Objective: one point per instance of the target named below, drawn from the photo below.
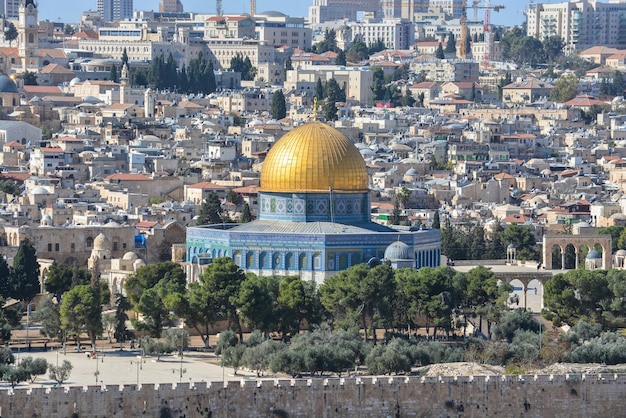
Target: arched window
(89, 242)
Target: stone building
(314, 215)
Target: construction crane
(487, 30)
(218, 8)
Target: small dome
(412, 172)
(138, 263)
(111, 224)
(46, 220)
(75, 81)
(621, 253)
(130, 256)
(101, 242)
(40, 190)
(7, 85)
(593, 255)
(398, 251)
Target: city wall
(480, 396)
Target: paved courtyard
(128, 367)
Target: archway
(580, 243)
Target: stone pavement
(124, 368)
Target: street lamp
(182, 345)
(28, 322)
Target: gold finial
(315, 108)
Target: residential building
(581, 24)
(111, 10)
(394, 33)
(170, 6)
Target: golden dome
(314, 157)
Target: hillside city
(445, 189)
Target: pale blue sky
(71, 10)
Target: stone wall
(528, 396)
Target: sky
(67, 10)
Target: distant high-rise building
(111, 10)
(170, 6)
(10, 8)
(327, 10)
(581, 24)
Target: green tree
(6, 281)
(10, 33)
(113, 74)
(256, 302)
(512, 321)
(147, 277)
(360, 294)
(279, 106)
(565, 88)
(298, 301)
(124, 57)
(157, 301)
(329, 43)
(436, 221)
(319, 90)
(553, 47)
(615, 232)
(81, 312)
(523, 238)
(246, 215)
(341, 57)
(407, 99)
(439, 54)
(33, 367)
(61, 373)
(357, 52)
(503, 82)
(288, 64)
(396, 213)
(378, 84)
(211, 211)
(395, 357)
(450, 44)
(25, 274)
(62, 277)
(69, 30)
(330, 110)
(224, 278)
(48, 315)
(122, 305)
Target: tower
(28, 38)
(124, 87)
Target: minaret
(148, 103)
(124, 90)
(28, 39)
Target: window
(72, 247)
(49, 247)
(56, 247)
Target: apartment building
(580, 24)
(111, 10)
(395, 33)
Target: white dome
(130, 256)
(40, 190)
(101, 242)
